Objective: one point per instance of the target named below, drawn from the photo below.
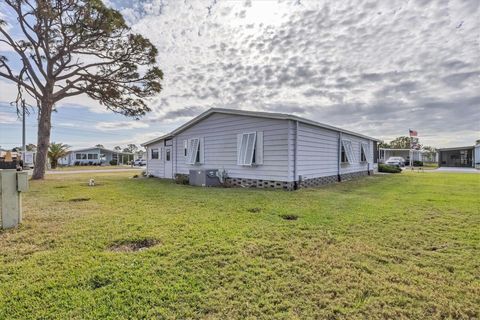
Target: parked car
(395, 161)
(140, 162)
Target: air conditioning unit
(204, 178)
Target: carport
(456, 157)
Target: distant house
(95, 156)
(417, 155)
(460, 156)
(262, 149)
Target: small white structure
(262, 149)
(95, 156)
(458, 157)
(417, 155)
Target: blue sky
(378, 68)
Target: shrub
(388, 169)
(417, 163)
(181, 178)
(113, 162)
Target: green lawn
(389, 246)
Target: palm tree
(57, 151)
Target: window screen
(348, 149)
(363, 152)
(78, 156)
(193, 150)
(246, 149)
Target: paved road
(94, 171)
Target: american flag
(413, 133)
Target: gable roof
(259, 114)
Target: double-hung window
(154, 154)
(250, 148)
(347, 156)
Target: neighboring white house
(262, 149)
(94, 156)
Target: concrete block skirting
(319, 181)
(256, 183)
(285, 185)
(354, 175)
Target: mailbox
(12, 184)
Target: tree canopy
(76, 47)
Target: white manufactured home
(260, 149)
(94, 156)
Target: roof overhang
(456, 148)
(258, 114)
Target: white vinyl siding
(318, 152)
(219, 132)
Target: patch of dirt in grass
(79, 199)
(437, 247)
(289, 216)
(254, 210)
(132, 245)
(97, 282)
(60, 187)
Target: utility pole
(24, 144)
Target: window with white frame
(154, 154)
(78, 156)
(348, 156)
(193, 151)
(250, 148)
(363, 152)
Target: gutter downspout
(295, 158)
(339, 155)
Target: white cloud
(7, 118)
(378, 68)
(373, 67)
(120, 125)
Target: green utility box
(12, 184)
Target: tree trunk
(43, 139)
